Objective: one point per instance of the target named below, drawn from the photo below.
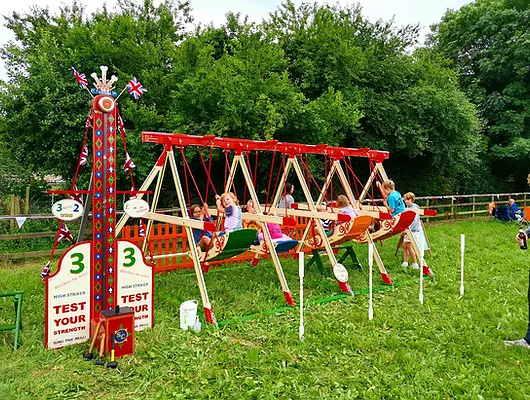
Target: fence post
(473, 213)
(427, 206)
(26, 204)
(12, 212)
(453, 207)
(524, 200)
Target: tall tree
(411, 104)
(43, 110)
(489, 42)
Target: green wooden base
(349, 253)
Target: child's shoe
(405, 264)
(415, 266)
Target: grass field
(449, 347)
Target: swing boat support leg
(208, 311)
(344, 286)
(266, 234)
(150, 178)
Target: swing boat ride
(103, 289)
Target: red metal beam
(239, 145)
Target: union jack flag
(64, 233)
(80, 78)
(141, 228)
(135, 88)
(129, 163)
(45, 271)
(83, 160)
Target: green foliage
(410, 105)
(44, 110)
(489, 42)
(449, 347)
(312, 74)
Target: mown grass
(449, 347)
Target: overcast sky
(424, 12)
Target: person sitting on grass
(514, 211)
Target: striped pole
(301, 275)
(462, 250)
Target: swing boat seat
(229, 245)
(281, 245)
(343, 232)
(391, 227)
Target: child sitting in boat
(201, 238)
(229, 204)
(274, 229)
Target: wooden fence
(170, 239)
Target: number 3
(129, 257)
(79, 263)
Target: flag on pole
(83, 160)
(45, 271)
(135, 88)
(129, 163)
(80, 78)
(64, 233)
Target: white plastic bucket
(188, 314)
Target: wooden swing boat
(390, 227)
(281, 245)
(342, 232)
(228, 245)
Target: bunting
(141, 228)
(64, 233)
(129, 163)
(45, 271)
(83, 160)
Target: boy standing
(392, 198)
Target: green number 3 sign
(129, 257)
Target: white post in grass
(421, 246)
(301, 275)
(370, 267)
(462, 249)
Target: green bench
(17, 326)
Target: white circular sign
(67, 209)
(136, 208)
(340, 272)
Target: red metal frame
(239, 145)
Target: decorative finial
(101, 85)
